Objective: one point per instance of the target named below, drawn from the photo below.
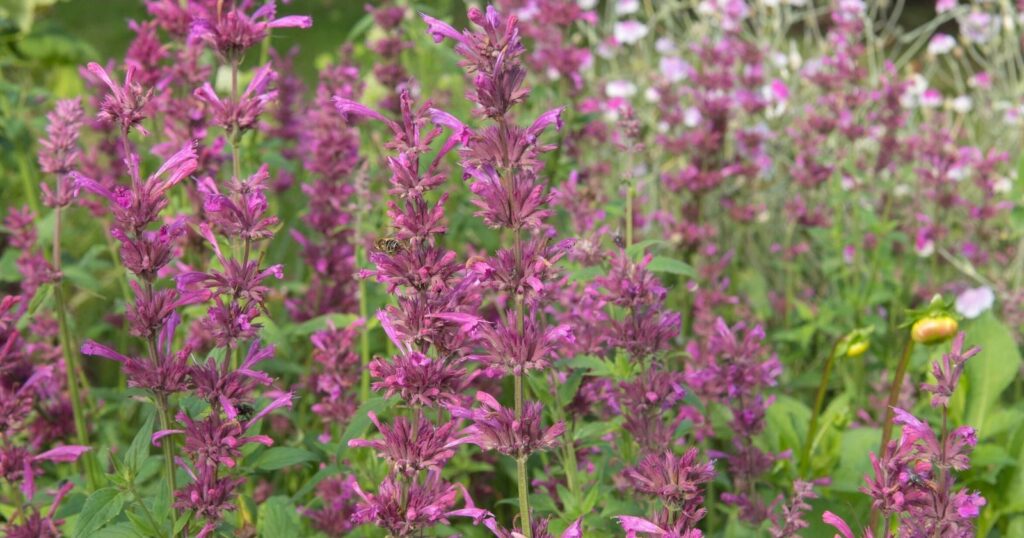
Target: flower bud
(857, 349)
(933, 330)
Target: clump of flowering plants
(535, 268)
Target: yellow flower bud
(933, 330)
(857, 349)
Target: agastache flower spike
(140, 204)
(243, 115)
(59, 151)
(413, 445)
(496, 427)
(124, 105)
(948, 371)
(232, 32)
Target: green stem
(819, 400)
(167, 444)
(524, 502)
(630, 192)
(894, 393)
(71, 365)
(364, 336)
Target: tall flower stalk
(58, 156)
(503, 160)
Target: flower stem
(167, 444)
(894, 392)
(364, 336)
(630, 192)
(524, 502)
(71, 366)
(819, 400)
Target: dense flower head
(496, 427)
(169, 374)
(675, 480)
(241, 212)
(492, 54)
(947, 371)
(406, 512)
(420, 380)
(136, 206)
(339, 367)
(231, 387)
(59, 150)
(413, 445)
(230, 31)
(124, 105)
(243, 114)
(208, 495)
(517, 350)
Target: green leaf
(854, 464)
(278, 517)
(567, 390)
(139, 449)
(101, 507)
(637, 250)
(280, 457)
(120, 530)
(360, 421)
(662, 264)
(991, 370)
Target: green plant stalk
(364, 336)
(524, 501)
(630, 193)
(167, 444)
(894, 393)
(71, 365)
(819, 401)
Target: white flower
(1003, 186)
(665, 45)
(620, 88)
(691, 117)
(941, 44)
(651, 95)
(627, 7)
(586, 4)
(972, 302)
(629, 32)
(673, 69)
(979, 27)
(961, 104)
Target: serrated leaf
(279, 457)
(101, 507)
(567, 390)
(278, 517)
(662, 264)
(139, 449)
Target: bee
(389, 245)
(619, 241)
(245, 412)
